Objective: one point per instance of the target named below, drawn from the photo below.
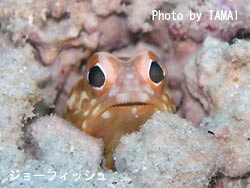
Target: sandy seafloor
(46, 43)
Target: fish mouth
(126, 100)
(130, 104)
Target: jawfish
(116, 95)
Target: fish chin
(118, 120)
(109, 118)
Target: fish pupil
(156, 73)
(96, 77)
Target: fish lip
(128, 104)
(131, 99)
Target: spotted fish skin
(115, 96)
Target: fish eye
(96, 76)
(156, 73)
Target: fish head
(116, 95)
